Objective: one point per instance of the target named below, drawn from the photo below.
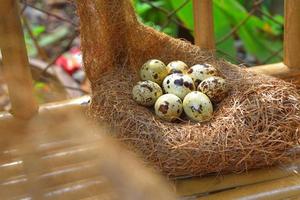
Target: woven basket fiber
(257, 125)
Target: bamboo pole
(204, 24)
(70, 105)
(279, 70)
(15, 62)
(200, 185)
(275, 69)
(275, 190)
(292, 33)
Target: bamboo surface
(69, 169)
(53, 167)
(68, 163)
(15, 62)
(279, 70)
(292, 33)
(60, 155)
(275, 190)
(203, 24)
(199, 185)
(76, 104)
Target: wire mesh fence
(246, 32)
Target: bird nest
(257, 125)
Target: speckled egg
(154, 70)
(214, 87)
(177, 67)
(178, 84)
(200, 72)
(197, 106)
(168, 107)
(146, 92)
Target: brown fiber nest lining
(256, 125)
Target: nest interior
(257, 125)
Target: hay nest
(256, 125)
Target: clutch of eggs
(176, 88)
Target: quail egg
(178, 84)
(168, 107)
(154, 70)
(214, 87)
(146, 92)
(197, 106)
(200, 72)
(177, 67)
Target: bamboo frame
(272, 183)
(204, 24)
(200, 185)
(279, 70)
(292, 33)
(76, 104)
(275, 190)
(290, 68)
(15, 62)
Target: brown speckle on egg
(146, 92)
(177, 67)
(200, 72)
(154, 70)
(197, 106)
(168, 107)
(164, 108)
(178, 84)
(215, 88)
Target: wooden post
(204, 24)
(292, 33)
(15, 61)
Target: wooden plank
(204, 24)
(292, 33)
(275, 190)
(199, 185)
(15, 62)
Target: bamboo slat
(15, 62)
(216, 183)
(203, 24)
(76, 104)
(279, 70)
(275, 190)
(292, 33)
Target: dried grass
(257, 125)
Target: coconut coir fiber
(257, 125)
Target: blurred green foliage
(261, 34)
(36, 31)
(149, 15)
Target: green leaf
(250, 33)
(37, 30)
(222, 28)
(185, 13)
(221, 25)
(54, 36)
